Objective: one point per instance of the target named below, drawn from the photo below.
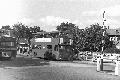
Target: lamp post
(100, 60)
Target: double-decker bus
(8, 47)
(50, 45)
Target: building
(114, 35)
(4, 32)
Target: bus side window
(49, 46)
(34, 46)
(56, 48)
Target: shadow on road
(5, 59)
(21, 62)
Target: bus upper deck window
(49, 46)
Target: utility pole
(100, 60)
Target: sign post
(99, 64)
(117, 68)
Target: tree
(23, 31)
(20, 30)
(35, 29)
(92, 39)
(69, 30)
(88, 39)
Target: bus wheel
(12, 58)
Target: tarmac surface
(26, 68)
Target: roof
(113, 32)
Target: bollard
(117, 68)
(99, 64)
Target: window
(36, 47)
(49, 46)
(110, 38)
(7, 44)
(56, 48)
(116, 39)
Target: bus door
(48, 52)
(36, 50)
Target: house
(114, 35)
(4, 32)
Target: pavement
(111, 72)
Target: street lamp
(100, 60)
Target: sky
(50, 13)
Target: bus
(8, 47)
(49, 45)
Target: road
(38, 69)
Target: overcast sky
(50, 13)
